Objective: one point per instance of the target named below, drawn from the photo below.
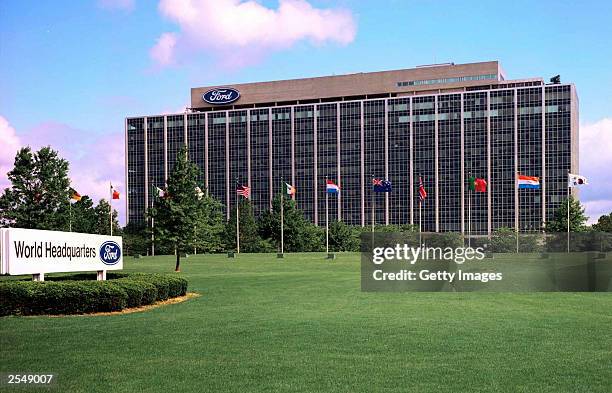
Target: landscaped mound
(78, 295)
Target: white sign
(33, 251)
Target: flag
(422, 192)
(160, 193)
(576, 180)
(114, 192)
(75, 195)
(381, 185)
(290, 190)
(477, 184)
(332, 188)
(199, 192)
(481, 185)
(528, 181)
(244, 191)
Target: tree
(343, 237)
(503, 240)
(604, 223)
(102, 214)
(39, 193)
(135, 239)
(83, 216)
(210, 225)
(577, 218)
(300, 234)
(177, 215)
(250, 241)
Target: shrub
(63, 295)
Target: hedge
(78, 295)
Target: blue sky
(85, 65)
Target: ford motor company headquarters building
(438, 122)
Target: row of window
(447, 80)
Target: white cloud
(124, 5)
(596, 165)
(163, 51)
(245, 31)
(94, 160)
(8, 148)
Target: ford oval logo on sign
(110, 253)
(221, 96)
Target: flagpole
(568, 213)
(326, 218)
(70, 215)
(281, 217)
(373, 201)
(470, 210)
(420, 222)
(518, 215)
(153, 227)
(237, 222)
(110, 213)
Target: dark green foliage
(299, 233)
(503, 240)
(177, 216)
(444, 239)
(102, 219)
(604, 223)
(343, 237)
(136, 239)
(82, 214)
(577, 218)
(39, 193)
(250, 241)
(65, 296)
(210, 225)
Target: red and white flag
(244, 191)
(422, 192)
(114, 192)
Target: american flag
(245, 191)
(422, 192)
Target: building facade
(439, 123)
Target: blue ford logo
(110, 252)
(221, 96)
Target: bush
(63, 295)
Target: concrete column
(270, 147)
(489, 209)
(165, 149)
(543, 180)
(315, 187)
(146, 164)
(362, 155)
(248, 119)
(227, 166)
(386, 159)
(338, 162)
(436, 165)
(412, 183)
(127, 194)
(516, 163)
(462, 165)
(206, 151)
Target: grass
(302, 325)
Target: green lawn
(302, 325)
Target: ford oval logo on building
(110, 253)
(221, 96)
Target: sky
(71, 71)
